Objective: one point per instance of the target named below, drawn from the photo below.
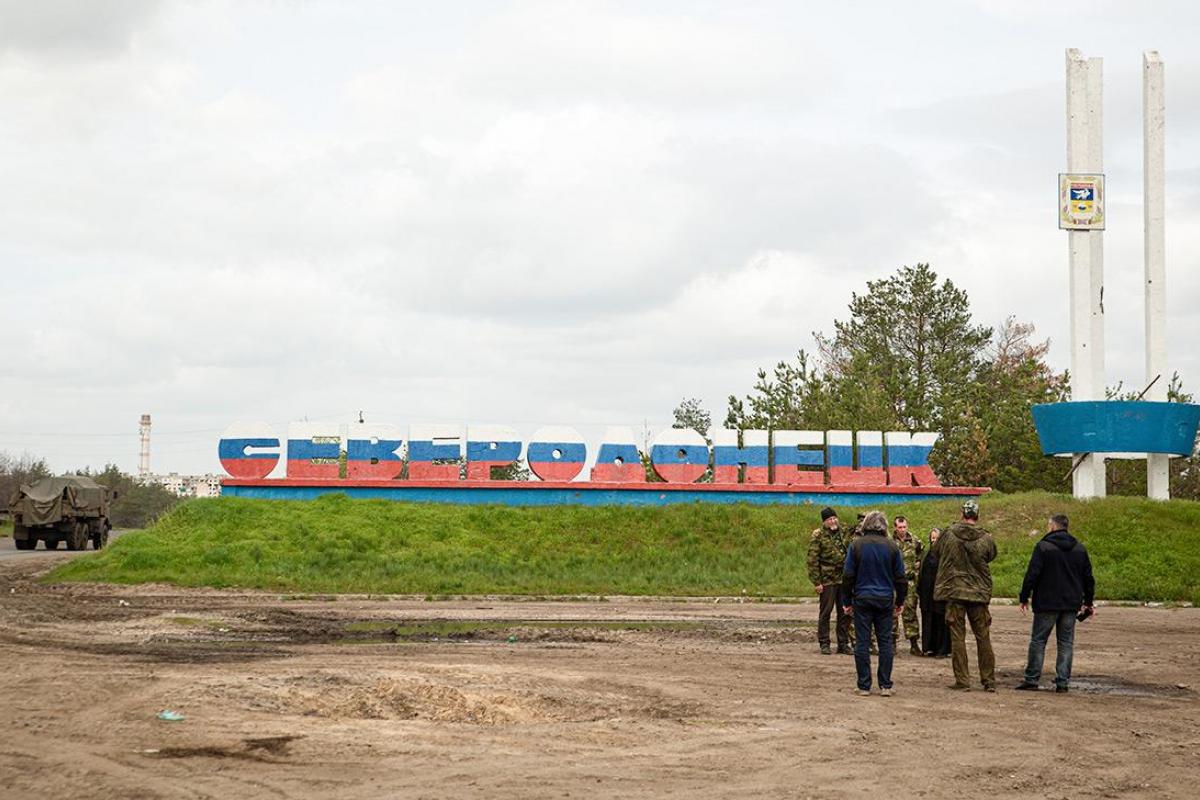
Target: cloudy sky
(542, 212)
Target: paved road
(8, 550)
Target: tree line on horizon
(137, 504)
(910, 356)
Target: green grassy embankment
(1141, 550)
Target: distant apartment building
(188, 485)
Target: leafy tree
(15, 471)
(1012, 377)
(137, 504)
(910, 357)
(690, 413)
(906, 350)
(792, 397)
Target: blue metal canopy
(1111, 426)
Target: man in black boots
(826, 555)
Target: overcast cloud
(525, 213)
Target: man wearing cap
(826, 555)
(873, 584)
(964, 584)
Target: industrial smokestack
(144, 453)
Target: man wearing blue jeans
(1060, 579)
(873, 588)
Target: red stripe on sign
(793, 475)
(309, 470)
(948, 491)
(428, 471)
(617, 473)
(482, 470)
(846, 476)
(365, 470)
(899, 477)
(681, 473)
(249, 467)
(556, 470)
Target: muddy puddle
(1112, 685)
(1109, 685)
(266, 749)
(365, 631)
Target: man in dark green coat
(826, 557)
(964, 584)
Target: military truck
(69, 508)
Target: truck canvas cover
(42, 502)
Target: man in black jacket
(873, 589)
(1060, 579)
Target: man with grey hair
(873, 587)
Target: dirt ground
(354, 697)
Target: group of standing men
(863, 579)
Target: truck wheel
(78, 538)
(99, 540)
(25, 544)
(51, 544)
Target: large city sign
(470, 454)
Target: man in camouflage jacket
(912, 549)
(826, 557)
(964, 583)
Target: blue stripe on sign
(870, 456)
(543, 452)
(365, 450)
(793, 456)
(483, 451)
(236, 448)
(305, 449)
(908, 455)
(729, 456)
(591, 497)
(426, 450)
(670, 454)
(841, 455)
(609, 453)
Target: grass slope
(1140, 549)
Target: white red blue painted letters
(313, 450)
(618, 459)
(842, 471)
(490, 447)
(371, 451)
(679, 455)
(806, 460)
(908, 458)
(729, 456)
(799, 458)
(556, 453)
(434, 452)
(249, 450)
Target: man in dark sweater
(873, 589)
(1060, 579)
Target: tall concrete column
(144, 447)
(1158, 476)
(1085, 143)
